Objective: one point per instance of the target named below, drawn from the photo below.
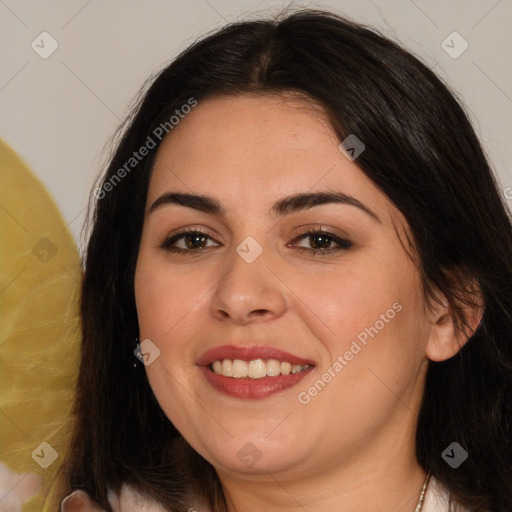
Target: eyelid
(188, 229)
(320, 228)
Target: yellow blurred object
(40, 274)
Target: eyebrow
(285, 206)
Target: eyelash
(343, 244)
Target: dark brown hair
(421, 151)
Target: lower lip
(253, 388)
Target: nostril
(260, 311)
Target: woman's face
(331, 328)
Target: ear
(445, 338)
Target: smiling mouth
(252, 372)
(256, 368)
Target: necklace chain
(419, 505)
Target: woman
(300, 238)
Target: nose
(248, 292)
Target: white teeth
(273, 367)
(255, 369)
(239, 369)
(227, 368)
(286, 368)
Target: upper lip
(248, 353)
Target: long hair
(421, 152)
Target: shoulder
(128, 500)
(79, 501)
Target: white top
(436, 497)
(129, 500)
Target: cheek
(373, 365)
(164, 297)
(170, 305)
(366, 299)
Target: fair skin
(351, 446)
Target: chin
(254, 455)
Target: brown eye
(196, 241)
(322, 242)
(188, 241)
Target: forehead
(254, 149)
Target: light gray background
(59, 113)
